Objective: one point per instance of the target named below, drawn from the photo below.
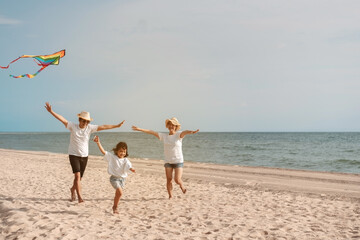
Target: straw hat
(85, 115)
(173, 121)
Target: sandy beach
(222, 202)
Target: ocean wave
(247, 147)
(348, 161)
(291, 150)
(293, 153)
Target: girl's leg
(76, 187)
(178, 175)
(168, 172)
(118, 194)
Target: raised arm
(106, 127)
(97, 140)
(186, 132)
(57, 116)
(156, 134)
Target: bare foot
(115, 210)
(73, 196)
(81, 200)
(184, 190)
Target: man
(79, 145)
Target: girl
(118, 166)
(79, 145)
(174, 160)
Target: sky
(218, 66)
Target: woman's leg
(168, 172)
(118, 194)
(178, 180)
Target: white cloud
(8, 21)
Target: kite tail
(10, 63)
(29, 75)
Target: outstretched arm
(106, 127)
(186, 132)
(156, 134)
(57, 116)
(97, 140)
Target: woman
(79, 145)
(174, 160)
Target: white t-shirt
(118, 167)
(79, 139)
(172, 147)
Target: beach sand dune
(222, 202)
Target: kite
(42, 60)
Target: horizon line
(352, 131)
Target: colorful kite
(43, 60)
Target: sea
(330, 152)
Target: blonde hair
(174, 122)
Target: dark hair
(121, 145)
(81, 119)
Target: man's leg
(77, 186)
